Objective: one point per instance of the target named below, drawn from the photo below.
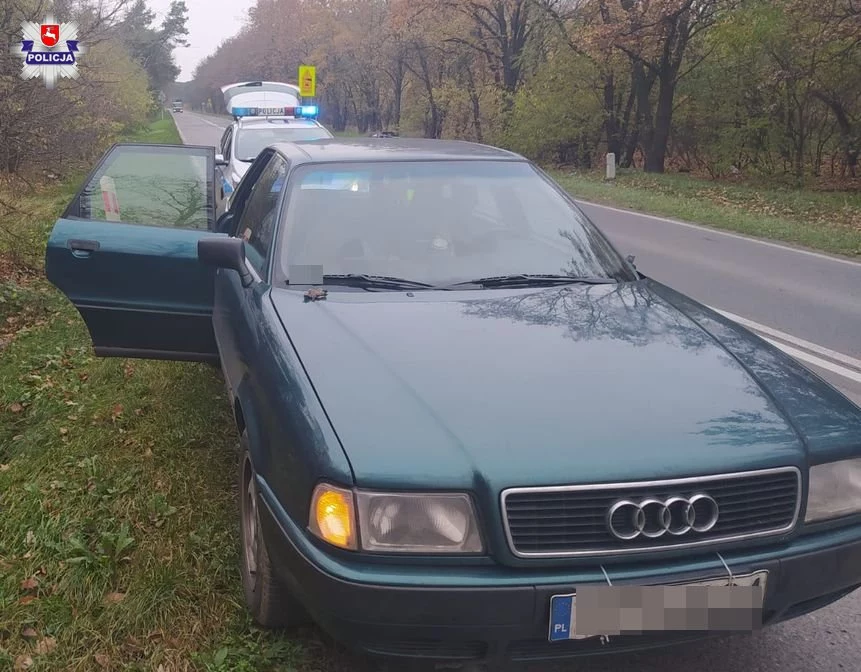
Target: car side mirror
(227, 253)
(220, 160)
(224, 223)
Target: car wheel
(267, 598)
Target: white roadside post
(611, 167)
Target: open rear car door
(125, 252)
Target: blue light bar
(300, 111)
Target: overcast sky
(210, 22)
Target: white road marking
(181, 134)
(807, 345)
(706, 229)
(781, 341)
(207, 121)
(816, 361)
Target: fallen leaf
(114, 598)
(5, 467)
(27, 599)
(117, 411)
(29, 584)
(23, 663)
(29, 633)
(147, 453)
(64, 431)
(315, 294)
(46, 646)
(16, 407)
(30, 539)
(102, 660)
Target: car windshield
(438, 222)
(250, 142)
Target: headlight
(835, 490)
(418, 523)
(395, 522)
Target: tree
(75, 121)
(153, 47)
(656, 36)
(714, 85)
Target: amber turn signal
(333, 517)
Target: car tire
(267, 598)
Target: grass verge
(161, 131)
(826, 221)
(118, 520)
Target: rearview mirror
(225, 253)
(220, 160)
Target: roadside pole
(611, 167)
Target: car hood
(240, 168)
(497, 388)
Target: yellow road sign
(307, 81)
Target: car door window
(258, 218)
(151, 185)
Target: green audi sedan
(471, 431)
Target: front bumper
(508, 622)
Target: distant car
(384, 134)
(250, 133)
(176, 106)
(467, 422)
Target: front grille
(571, 521)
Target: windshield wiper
(375, 282)
(533, 280)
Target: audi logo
(653, 518)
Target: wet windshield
(438, 222)
(250, 142)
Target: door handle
(83, 248)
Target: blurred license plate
(712, 605)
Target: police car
(252, 130)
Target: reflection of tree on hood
(645, 313)
(624, 311)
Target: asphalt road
(808, 304)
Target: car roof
(391, 149)
(277, 122)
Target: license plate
(708, 605)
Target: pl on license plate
(710, 605)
